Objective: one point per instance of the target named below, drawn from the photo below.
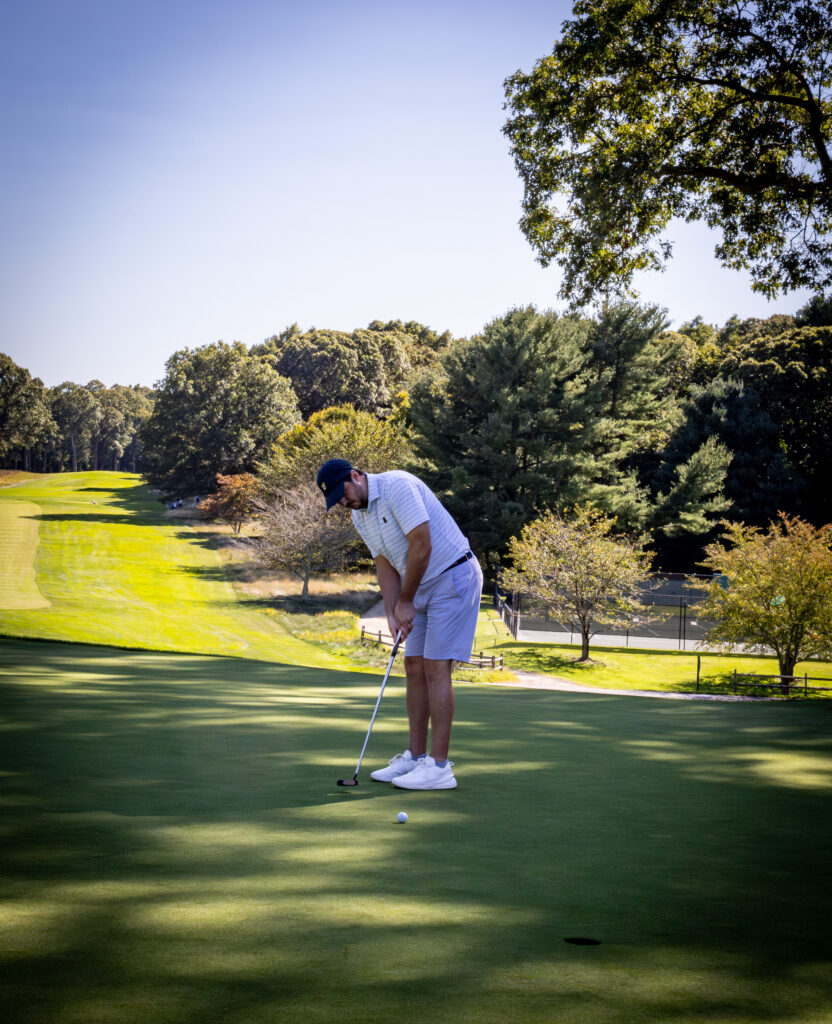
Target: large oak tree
(713, 110)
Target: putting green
(175, 850)
(112, 568)
(19, 544)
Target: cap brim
(335, 495)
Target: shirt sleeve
(406, 505)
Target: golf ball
(402, 817)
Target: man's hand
(404, 613)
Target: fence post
(362, 634)
(805, 684)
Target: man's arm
(418, 556)
(391, 585)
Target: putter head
(348, 782)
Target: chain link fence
(669, 618)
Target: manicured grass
(115, 570)
(175, 851)
(19, 544)
(620, 668)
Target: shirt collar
(373, 490)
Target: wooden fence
(376, 636)
(787, 685)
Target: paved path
(374, 620)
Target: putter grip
(396, 644)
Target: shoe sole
(450, 784)
(372, 776)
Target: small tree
(301, 537)
(772, 590)
(233, 501)
(580, 570)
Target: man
(431, 584)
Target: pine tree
(500, 427)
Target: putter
(354, 780)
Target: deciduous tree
(76, 412)
(300, 537)
(25, 419)
(713, 110)
(234, 500)
(772, 590)
(219, 410)
(580, 569)
(341, 432)
(364, 368)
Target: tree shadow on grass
(213, 540)
(139, 518)
(176, 850)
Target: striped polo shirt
(397, 502)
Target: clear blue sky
(184, 171)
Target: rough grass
(176, 851)
(19, 544)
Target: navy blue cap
(331, 477)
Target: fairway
(176, 850)
(109, 567)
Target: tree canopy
(499, 426)
(219, 410)
(341, 432)
(580, 568)
(772, 589)
(713, 110)
(25, 418)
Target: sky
(181, 172)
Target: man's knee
(414, 666)
(438, 671)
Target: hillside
(92, 557)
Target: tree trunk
(584, 645)
(74, 453)
(787, 664)
(304, 594)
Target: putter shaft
(354, 780)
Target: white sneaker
(398, 765)
(426, 775)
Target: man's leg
(441, 703)
(418, 704)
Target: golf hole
(578, 940)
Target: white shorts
(447, 609)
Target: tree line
(70, 426)
(667, 431)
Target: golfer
(431, 584)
